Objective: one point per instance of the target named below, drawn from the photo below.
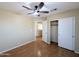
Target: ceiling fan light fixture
(36, 9)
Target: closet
(54, 31)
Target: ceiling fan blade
(41, 5)
(27, 7)
(43, 11)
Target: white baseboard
(77, 52)
(2, 52)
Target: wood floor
(40, 49)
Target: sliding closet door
(66, 33)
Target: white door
(45, 32)
(66, 33)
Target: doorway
(54, 31)
(41, 31)
(38, 30)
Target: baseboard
(2, 52)
(77, 52)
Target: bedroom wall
(15, 30)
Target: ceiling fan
(37, 8)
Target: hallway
(40, 49)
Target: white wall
(15, 30)
(65, 14)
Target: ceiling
(17, 7)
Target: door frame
(35, 28)
(50, 27)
